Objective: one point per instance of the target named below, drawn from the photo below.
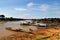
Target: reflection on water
(13, 24)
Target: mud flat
(39, 34)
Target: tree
(2, 16)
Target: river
(12, 24)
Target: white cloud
(44, 7)
(20, 9)
(30, 4)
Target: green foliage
(40, 39)
(52, 25)
(44, 38)
(2, 16)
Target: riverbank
(39, 34)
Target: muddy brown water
(12, 24)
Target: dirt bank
(39, 34)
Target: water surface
(12, 24)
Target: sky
(30, 8)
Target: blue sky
(30, 8)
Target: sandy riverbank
(39, 34)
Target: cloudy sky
(30, 8)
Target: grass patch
(44, 38)
(39, 39)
